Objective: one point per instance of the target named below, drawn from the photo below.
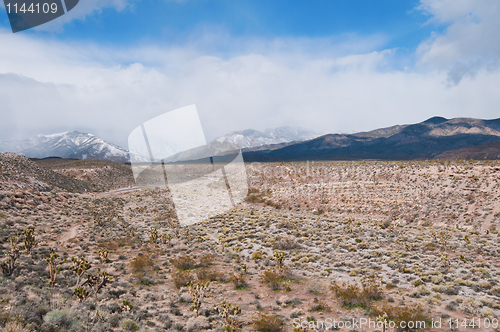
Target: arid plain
(401, 242)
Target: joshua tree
(383, 318)
(81, 293)
(198, 294)
(169, 239)
(53, 268)
(153, 235)
(126, 305)
(279, 257)
(12, 254)
(444, 238)
(103, 255)
(228, 312)
(29, 239)
(97, 281)
(445, 260)
(80, 266)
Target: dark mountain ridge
(424, 140)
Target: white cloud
(334, 84)
(470, 40)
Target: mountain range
(72, 144)
(251, 138)
(80, 145)
(425, 140)
(436, 137)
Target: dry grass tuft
(268, 323)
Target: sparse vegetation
(228, 313)
(104, 275)
(268, 323)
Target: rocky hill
(490, 151)
(19, 173)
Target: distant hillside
(18, 172)
(103, 174)
(423, 140)
(490, 151)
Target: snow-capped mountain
(66, 145)
(80, 145)
(253, 138)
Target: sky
(328, 65)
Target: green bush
(61, 318)
(129, 325)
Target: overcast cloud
(338, 84)
(469, 43)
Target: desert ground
(400, 243)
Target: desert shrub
(316, 288)
(239, 280)
(495, 290)
(178, 326)
(4, 317)
(419, 291)
(209, 274)
(61, 318)
(451, 306)
(255, 196)
(142, 266)
(386, 224)
(273, 277)
(147, 281)
(129, 325)
(116, 293)
(197, 324)
(267, 323)
(183, 262)
(33, 313)
(206, 260)
(354, 295)
(398, 314)
(322, 306)
(165, 320)
(349, 295)
(114, 320)
(182, 278)
(286, 244)
(14, 327)
(372, 287)
(449, 290)
(257, 255)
